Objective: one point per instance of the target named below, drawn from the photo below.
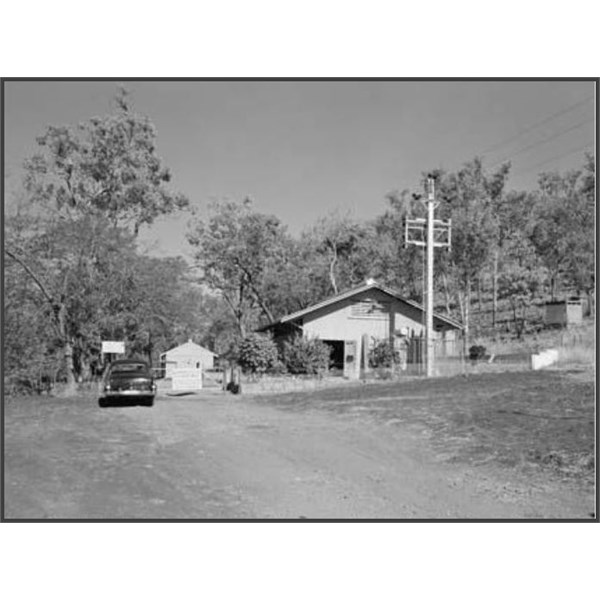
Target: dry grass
(576, 355)
(538, 422)
(576, 347)
(581, 335)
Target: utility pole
(421, 232)
(429, 305)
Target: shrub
(477, 352)
(306, 356)
(257, 354)
(383, 354)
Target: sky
(302, 149)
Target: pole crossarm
(415, 232)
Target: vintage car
(128, 380)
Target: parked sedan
(127, 380)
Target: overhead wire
(534, 126)
(542, 141)
(537, 124)
(557, 157)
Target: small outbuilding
(564, 312)
(186, 356)
(351, 322)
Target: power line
(568, 153)
(537, 124)
(542, 141)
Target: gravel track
(229, 457)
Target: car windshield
(129, 368)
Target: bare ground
(450, 449)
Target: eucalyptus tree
(107, 167)
(564, 231)
(468, 197)
(234, 248)
(89, 189)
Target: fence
(449, 360)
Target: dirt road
(228, 457)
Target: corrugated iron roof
(349, 294)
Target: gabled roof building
(189, 355)
(354, 320)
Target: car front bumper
(128, 393)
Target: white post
(429, 307)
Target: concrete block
(544, 359)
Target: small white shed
(189, 355)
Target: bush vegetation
(477, 352)
(257, 354)
(383, 354)
(304, 356)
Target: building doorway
(337, 354)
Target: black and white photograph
(299, 299)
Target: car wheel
(150, 401)
(102, 403)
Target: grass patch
(576, 355)
(582, 335)
(536, 422)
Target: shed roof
(189, 346)
(353, 292)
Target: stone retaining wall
(273, 385)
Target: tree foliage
(234, 248)
(521, 278)
(87, 193)
(106, 167)
(339, 244)
(563, 235)
(394, 263)
(469, 197)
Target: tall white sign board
(113, 347)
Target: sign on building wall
(113, 347)
(186, 379)
(370, 309)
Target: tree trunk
(150, 348)
(69, 364)
(237, 312)
(495, 290)
(590, 302)
(332, 271)
(466, 317)
(519, 319)
(68, 353)
(461, 305)
(263, 305)
(479, 302)
(258, 296)
(86, 369)
(446, 293)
